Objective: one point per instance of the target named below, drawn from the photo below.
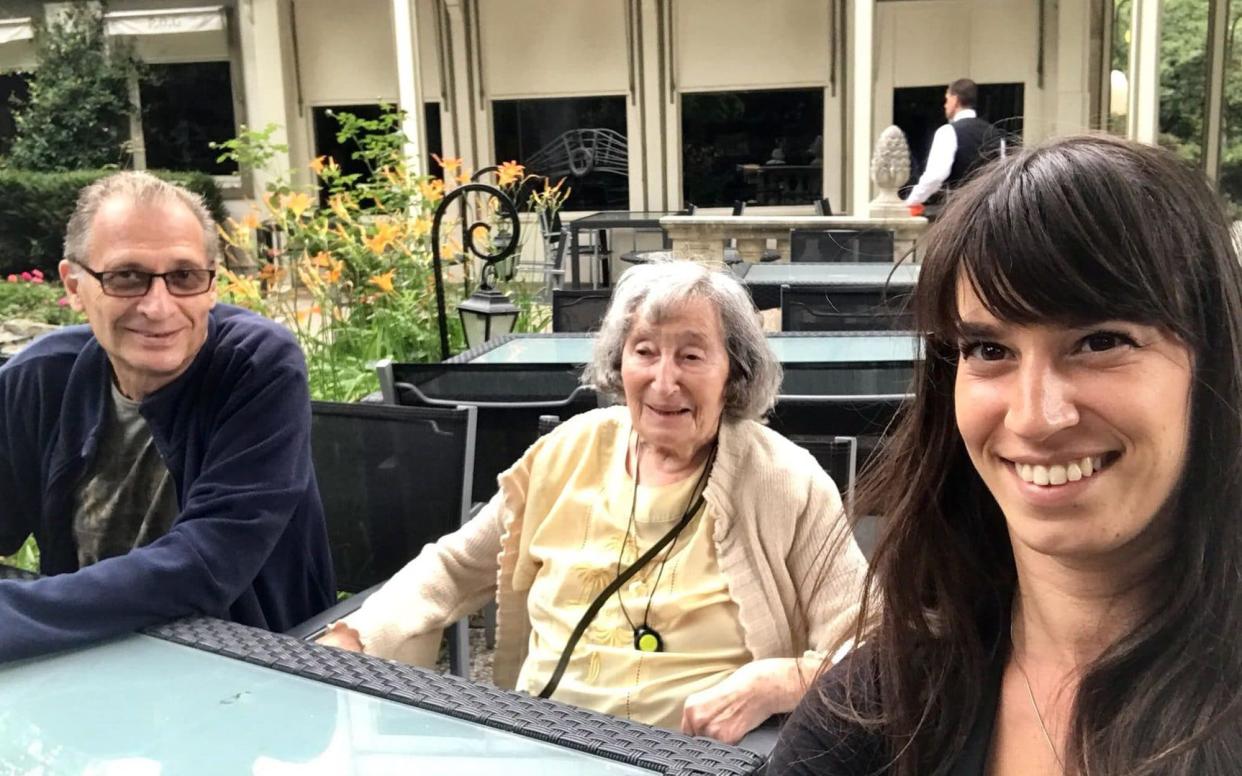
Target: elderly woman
(1058, 578)
(723, 520)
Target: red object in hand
(916, 210)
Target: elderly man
(161, 454)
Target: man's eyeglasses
(135, 282)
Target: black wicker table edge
(655, 749)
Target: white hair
(648, 292)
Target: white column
(862, 80)
(462, 125)
(1074, 77)
(263, 31)
(1215, 107)
(1144, 120)
(409, 87)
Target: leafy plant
(77, 113)
(25, 558)
(354, 280)
(29, 296)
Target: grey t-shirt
(126, 498)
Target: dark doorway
(185, 108)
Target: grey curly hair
(649, 291)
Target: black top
(815, 743)
(972, 134)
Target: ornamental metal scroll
(504, 222)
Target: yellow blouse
(577, 547)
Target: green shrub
(30, 296)
(78, 112)
(35, 207)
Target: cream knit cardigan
(782, 543)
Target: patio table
(765, 280)
(844, 383)
(203, 696)
(608, 220)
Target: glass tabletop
(825, 348)
(140, 705)
(609, 218)
(828, 273)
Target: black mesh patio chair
(392, 479)
(832, 245)
(509, 397)
(844, 308)
(838, 455)
(579, 309)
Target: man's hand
(737, 705)
(341, 636)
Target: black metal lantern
(488, 312)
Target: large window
(11, 85)
(581, 139)
(185, 107)
(919, 112)
(760, 147)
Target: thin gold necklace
(1030, 692)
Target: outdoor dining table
(606, 221)
(844, 383)
(765, 280)
(204, 696)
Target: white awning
(13, 30)
(165, 22)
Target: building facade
(653, 104)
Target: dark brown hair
(1080, 230)
(966, 92)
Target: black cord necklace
(647, 638)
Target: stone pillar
(862, 86)
(1144, 119)
(267, 76)
(409, 84)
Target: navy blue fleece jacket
(249, 543)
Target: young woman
(1057, 587)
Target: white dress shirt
(939, 160)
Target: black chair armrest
(315, 626)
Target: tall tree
(78, 110)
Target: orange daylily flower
(272, 273)
(385, 235)
(383, 281)
(432, 190)
(296, 203)
(250, 220)
(510, 173)
(449, 163)
(337, 203)
(317, 165)
(420, 227)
